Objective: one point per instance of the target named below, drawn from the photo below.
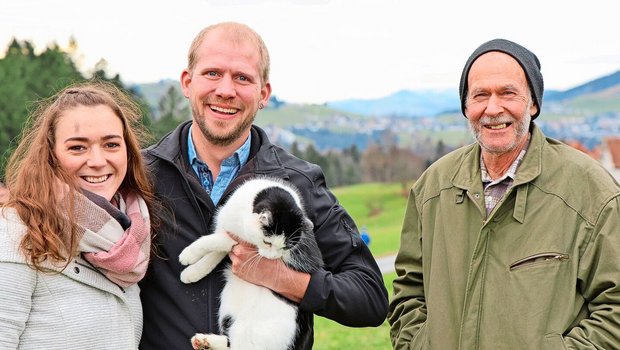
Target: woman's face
(89, 145)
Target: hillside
(404, 103)
(597, 86)
(421, 119)
(407, 103)
(381, 208)
(277, 113)
(599, 95)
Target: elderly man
(512, 242)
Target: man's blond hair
(238, 33)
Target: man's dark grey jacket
(349, 289)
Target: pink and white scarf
(116, 241)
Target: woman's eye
(112, 145)
(77, 148)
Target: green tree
(172, 110)
(295, 150)
(100, 72)
(27, 77)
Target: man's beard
(521, 128)
(226, 139)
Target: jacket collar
(467, 175)
(263, 156)
(172, 146)
(531, 167)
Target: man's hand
(248, 265)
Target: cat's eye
(267, 243)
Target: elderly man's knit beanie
(528, 61)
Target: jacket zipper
(349, 229)
(538, 258)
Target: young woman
(74, 228)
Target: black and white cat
(268, 213)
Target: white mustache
(487, 120)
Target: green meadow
(380, 207)
(329, 335)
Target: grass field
(386, 203)
(329, 335)
(380, 207)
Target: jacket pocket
(538, 259)
(554, 342)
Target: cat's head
(282, 221)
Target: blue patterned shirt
(228, 171)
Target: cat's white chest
(255, 310)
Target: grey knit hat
(528, 61)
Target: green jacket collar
(467, 175)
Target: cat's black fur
(290, 219)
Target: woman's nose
(96, 158)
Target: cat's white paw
(190, 275)
(209, 342)
(200, 342)
(188, 257)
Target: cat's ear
(265, 218)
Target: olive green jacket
(542, 271)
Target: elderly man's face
(499, 105)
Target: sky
(329, 50)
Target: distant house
(594, 153)
(610, 157)
(608, 154)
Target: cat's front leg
(209, 342)
(216, 242)
(202, 267)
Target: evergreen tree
(172, 110)
(28, 77)
(295, 150)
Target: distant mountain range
(404, 103)
(433, 102)
(418, 119)
(607, 82)
(415, 103)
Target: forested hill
(28, 75)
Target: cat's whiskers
(251, 263)
(296, 256)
